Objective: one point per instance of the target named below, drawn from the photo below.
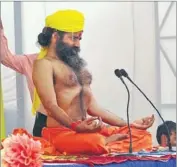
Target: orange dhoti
(71, 142)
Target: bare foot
(116, 137)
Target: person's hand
(144, 123)
(90, 125)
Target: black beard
(70, 56)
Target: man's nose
(77, 43)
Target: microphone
(125, 74)
(119, 75)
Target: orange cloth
(141, 139)
(70, 142)
(62, 140)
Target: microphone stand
(125, 74)
(118, 74)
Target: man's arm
(108, 117)
(15, 62)
(95, 110)
(43, 81)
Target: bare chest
(65, 76)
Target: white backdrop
(9, 76)
(116, 35)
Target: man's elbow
(50, 107)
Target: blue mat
(138, 163)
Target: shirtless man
(24, 64)
(63, 81)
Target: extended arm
(7, 58)
(108, 117)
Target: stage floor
(157, 159)
(139, 163)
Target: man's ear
(55, 37)
(163, 140)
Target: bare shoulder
(41, 68)
(42, 64)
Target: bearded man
(62, 84)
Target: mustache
(70, 55)
(66, 49)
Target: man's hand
(144, 123)
(90, 125)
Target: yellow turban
(62, 20)
(66, 20)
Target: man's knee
(93, 143)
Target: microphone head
(117, 73)
(123, 72)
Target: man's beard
(70, 56)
